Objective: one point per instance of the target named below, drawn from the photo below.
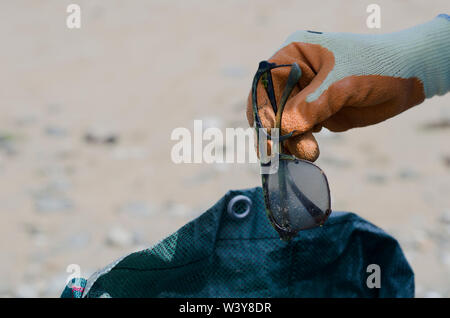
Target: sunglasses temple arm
(294, 76)
(265, 68)
(270, 91)
(283, 196)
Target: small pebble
(118, 237)
(446, 160)
(55, 131)
(101, 136)
(445, 217)
(408, 174)
(376, 178)
(50, 203)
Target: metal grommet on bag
(239, 207)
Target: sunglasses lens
(298, 195)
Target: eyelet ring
(239, 207)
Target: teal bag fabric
(74, 288)
(226, 254)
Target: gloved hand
(354, 80)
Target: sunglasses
(296, 194)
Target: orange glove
(350, 80)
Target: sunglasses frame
(264, 70)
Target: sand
(138, 69)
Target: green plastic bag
(232, 251)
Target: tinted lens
(297, 195)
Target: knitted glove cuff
(422, 51)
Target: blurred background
(86, 117)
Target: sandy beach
(87, 114)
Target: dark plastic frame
(264, 69)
